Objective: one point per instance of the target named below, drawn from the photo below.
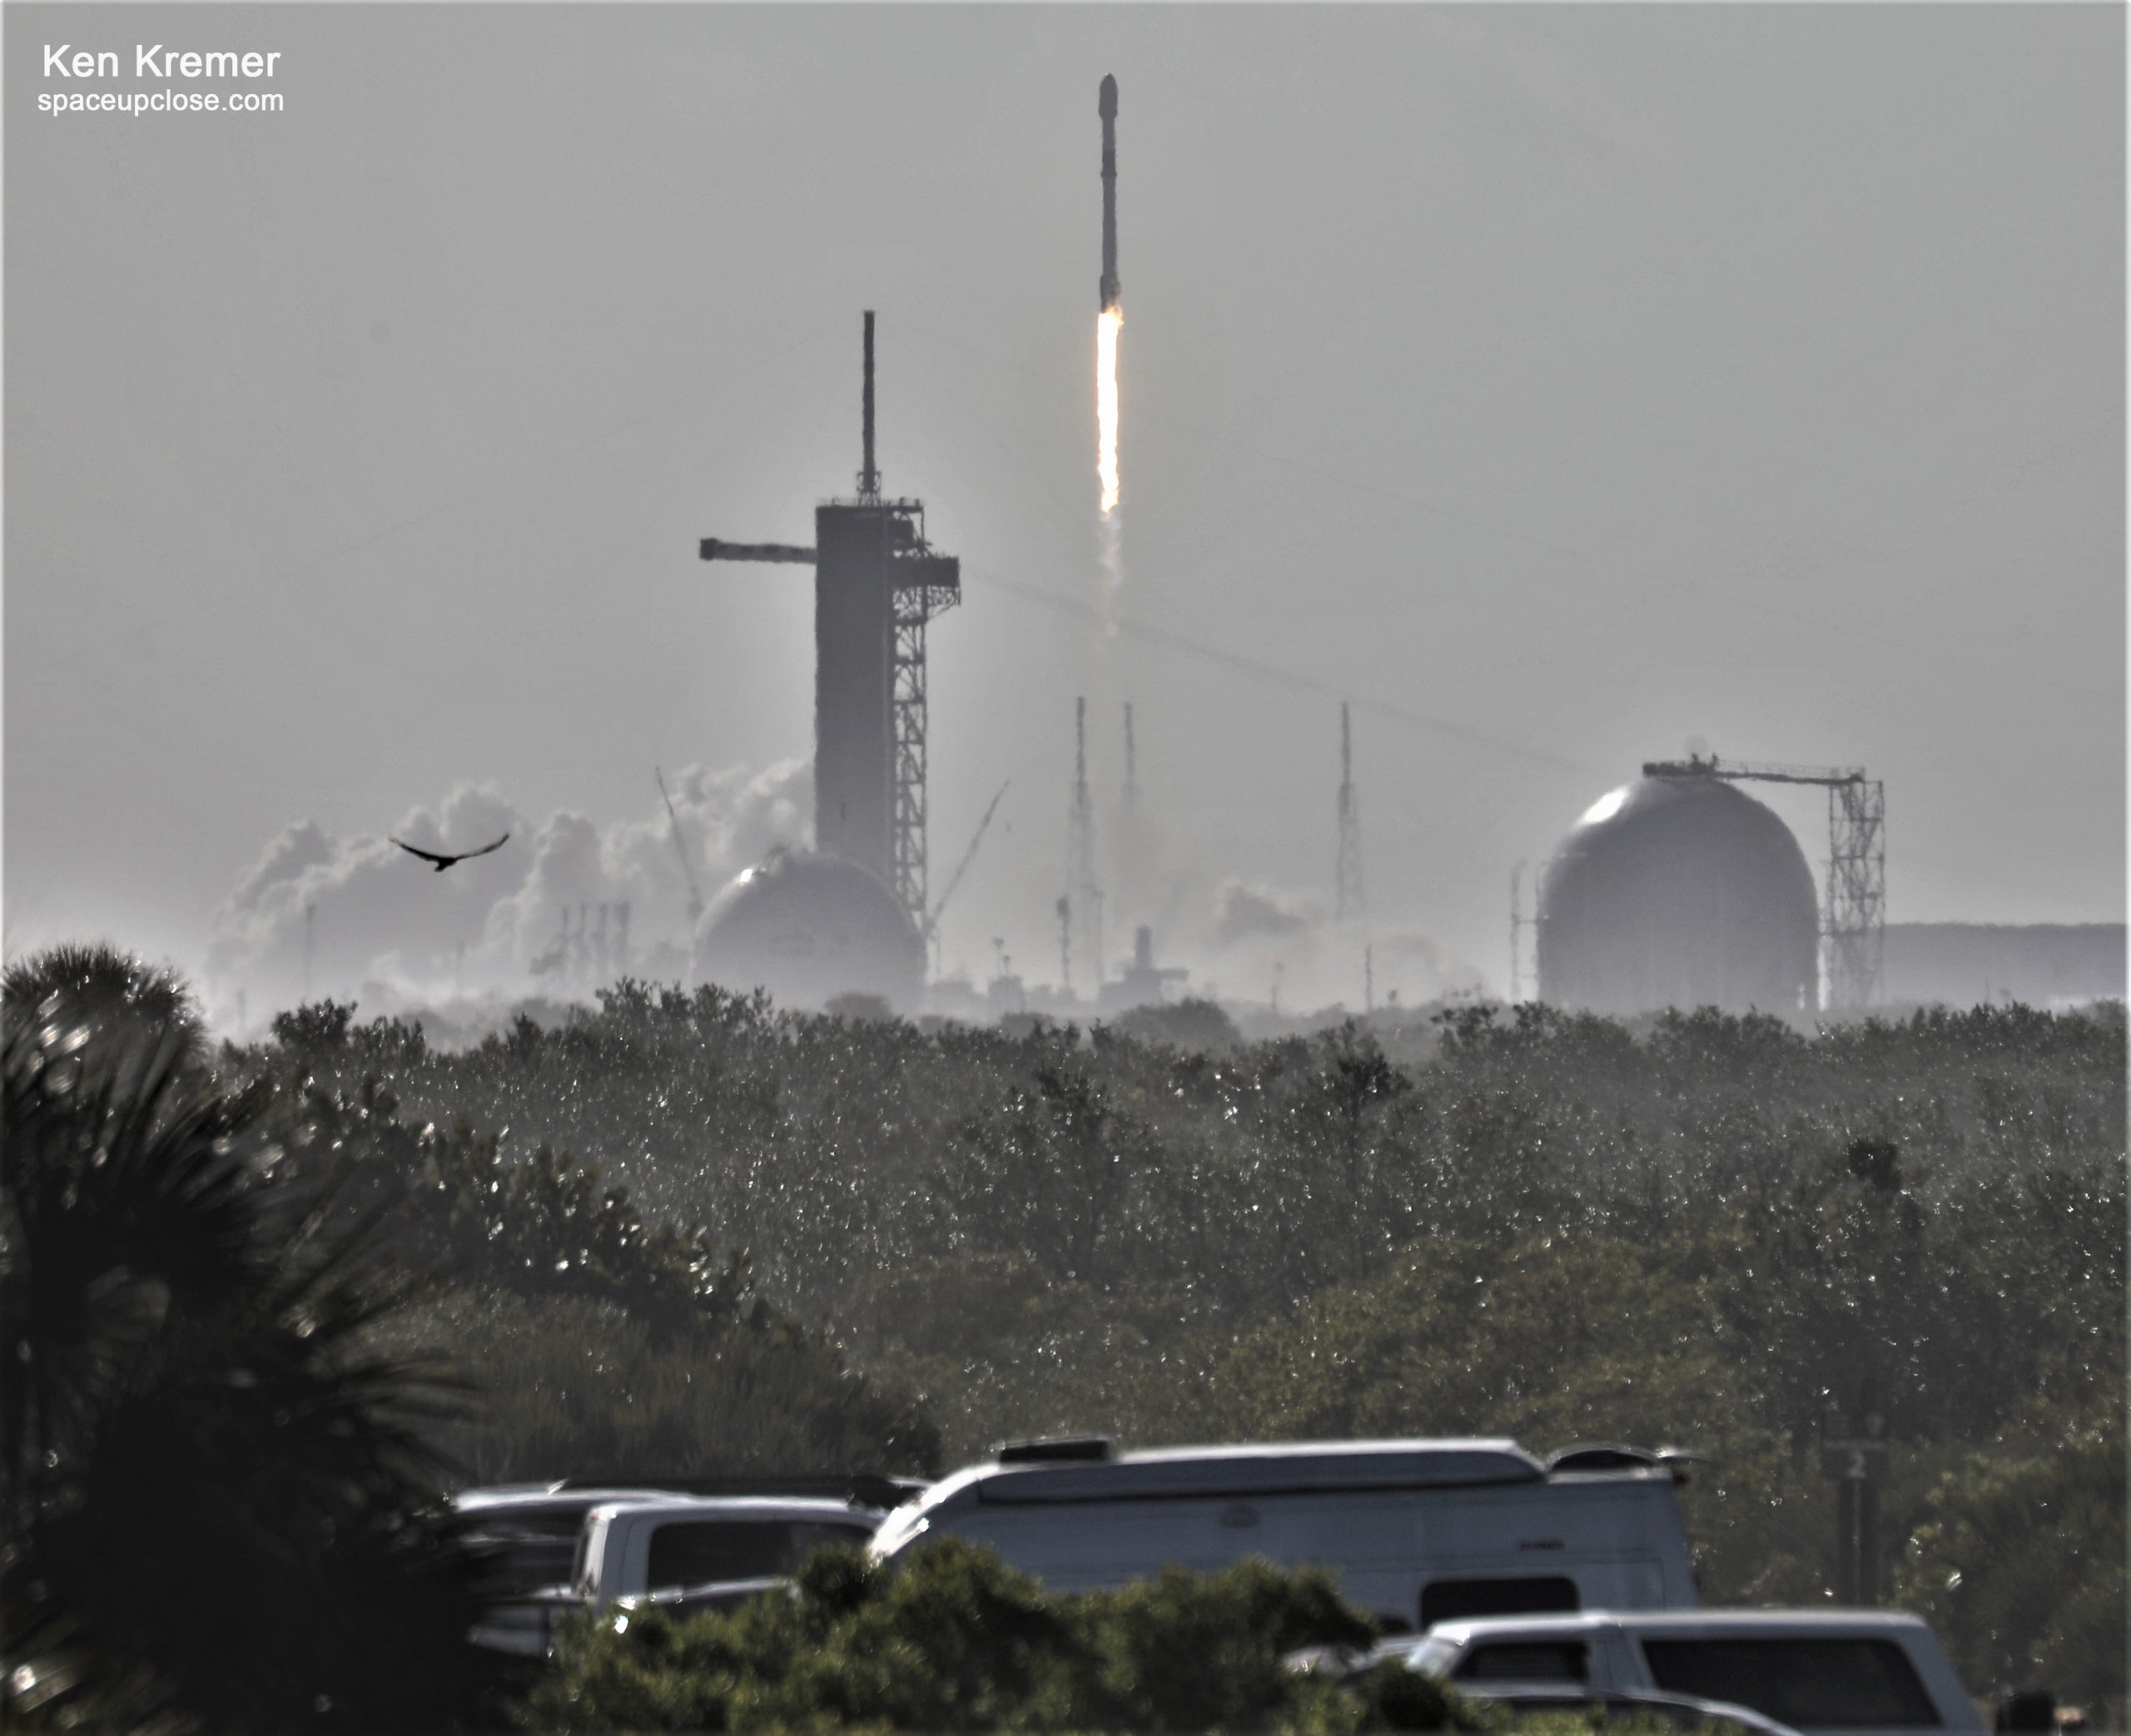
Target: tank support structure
(1854, 919)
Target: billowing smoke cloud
(1245, 913)
(1254, 938)
(316, 915)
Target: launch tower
(877, 581)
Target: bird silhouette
(443, 862)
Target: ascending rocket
(1107, 107)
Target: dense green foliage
(2020, 1561)
(1708, 1230)
(953, 1640)
(219, 1508)
(957, 1641)
(1712, 1232)
(608, 1344)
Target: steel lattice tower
(1856, 921)
(1347, 897)
(914, 605)
(1082, 903)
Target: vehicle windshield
(1853, 1683)
(697, 1552)
(538, 1549)
(1526, 1660)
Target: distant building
(1143, 983)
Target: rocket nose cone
(1106, 99)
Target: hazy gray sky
(1559, 384)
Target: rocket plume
(1106, 329)
(1108, 323)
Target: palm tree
(218, 1510)
(110, 991)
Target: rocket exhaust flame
(1107, 326)
(1106, 330)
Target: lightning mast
(1347, 897)
(1131, 765)
(1083, 900)
(1516, 934)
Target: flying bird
(443, 861)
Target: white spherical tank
(1679, 892)
(809, 928)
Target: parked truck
(1418, 1531)
(687, 1553)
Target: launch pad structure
(877, 582)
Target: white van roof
(1257, 1469)
(1745, 1623)
(787, 1507)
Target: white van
(1418, 1531)
(1825, 1672)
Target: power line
(1259, 670)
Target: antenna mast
(869, 479)
(1347, 897)
(1131, 765)
(1516, 934)
(1083, 896)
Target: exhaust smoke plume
(317, 915)
(1254, 935)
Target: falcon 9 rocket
(1107, 107)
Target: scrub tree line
(689, 1233)
(1705, 1231)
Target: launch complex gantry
(876, 583)
(1853, 927)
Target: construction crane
(681, 850)
(1853, 929)
(954, 880)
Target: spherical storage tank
(1679, 892)
(808, 928)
